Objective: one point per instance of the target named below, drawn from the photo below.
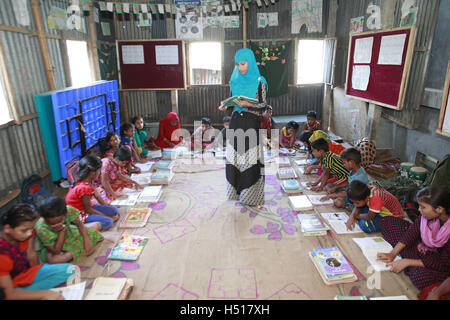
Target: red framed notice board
(378, 66)
(151, 64)
(444, 118)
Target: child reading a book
(113, 177)
(21, 274)
(311, 124)
(82, 193)
(111, 145)
(352, 161)
(62, 236)
(372, 205)
(169, 134)
(287, 135)
(203, 136)
(334, 170)
(423, 245)
(140, 135)
(126, 139)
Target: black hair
(304, 137)
(86, 165)
(311, 114)
(292, 124)
(358, 190)
(124, 127)
(351, 154)
(206, 120)
(226, 119)
(268, 107)
(123, 154)
(435, 196)
(133, 121)
(94, 151)
(53, 207)
(2, 294)
(22, 212)
(320, 144)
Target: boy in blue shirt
(352, 161)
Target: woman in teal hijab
(245, 169)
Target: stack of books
(164, 164)
(169, 154)
(150, 194)
(162, 176)
(110, 289)
(284, 162)
(135, 218)
(300, 203)
(286, 173)
(338, 220)
(312, 225)
(332, 266)
(291, 186)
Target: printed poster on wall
(363, 50)
(133, 54)
(166, 54)
(360, 77)
(267, 19)
(189, 26)
(357, 24)
(306, 12)
(231, 22)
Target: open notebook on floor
(300, 203)
(303, 162)
(302, 170)
(306, 187)
(337, 221)
(130, 200)
(142, 178)
(370, 246)
(72, 292)
(315, 200)
(105, 288)
(150, 194)
(145, 167)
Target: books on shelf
(332, 266)
(150, 194)
(130, 200)
(300, 203)
(370, 247)
(312, 225)
(135, 218)
(128, 248)
(286, 173)
(145, 167)
(337, 221)
(72, 292)
(229, 101)
(291, 186)
(162, 176)
(284, 162)
(315, 200)
(105, 288)
(164, 164)
(142, 178)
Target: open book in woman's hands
(230, 101)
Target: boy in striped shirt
(333, 168)
(372, 203)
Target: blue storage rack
(82, 116)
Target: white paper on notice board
(360, 77)
(446, 125)
(133, 54)
(363, 50)
(391, 49)
(166, 54)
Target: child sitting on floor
(423, 245)
(126, 139)
(82, 191)
(223, 133)
(21, 275)
(266, 123)
(311, 124)
(334, 170)
(111, 145)
(203, 135)
(372, 205)
(140, 135)
(62, 235)
(352, 161)
(287, 135)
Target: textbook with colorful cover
(286, 173)
(312, 225)
(370, 247)
(229, 101)
(129, 248)
(105, 288)
(135, 218)
(162, 176)
(332, 266)
(164, 164)
(338, 220)
(291, 186)
(300, 203)
(150, 194)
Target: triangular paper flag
(136, 8)
(266, 2)
(168, 8)
(219, 9)
(85, 5)
(197, 9)
(144, 8)
(174, 9)
(119, 7)
(258, 2)
(153, 8)
(233, 6)
(161, 8)
(126, 7)
(102, 5)
(110, 6)
(183, 8)
(227, 8)
(273, 1)
(204, 10)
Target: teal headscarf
(245, 84)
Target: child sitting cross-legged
(352, 161)
(287, 135)
(333, 168)
(127, 139)
(63, 237)
(372, 205)
(311, 124)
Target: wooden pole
(244, 28)
(92, 45)
(43, 44)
